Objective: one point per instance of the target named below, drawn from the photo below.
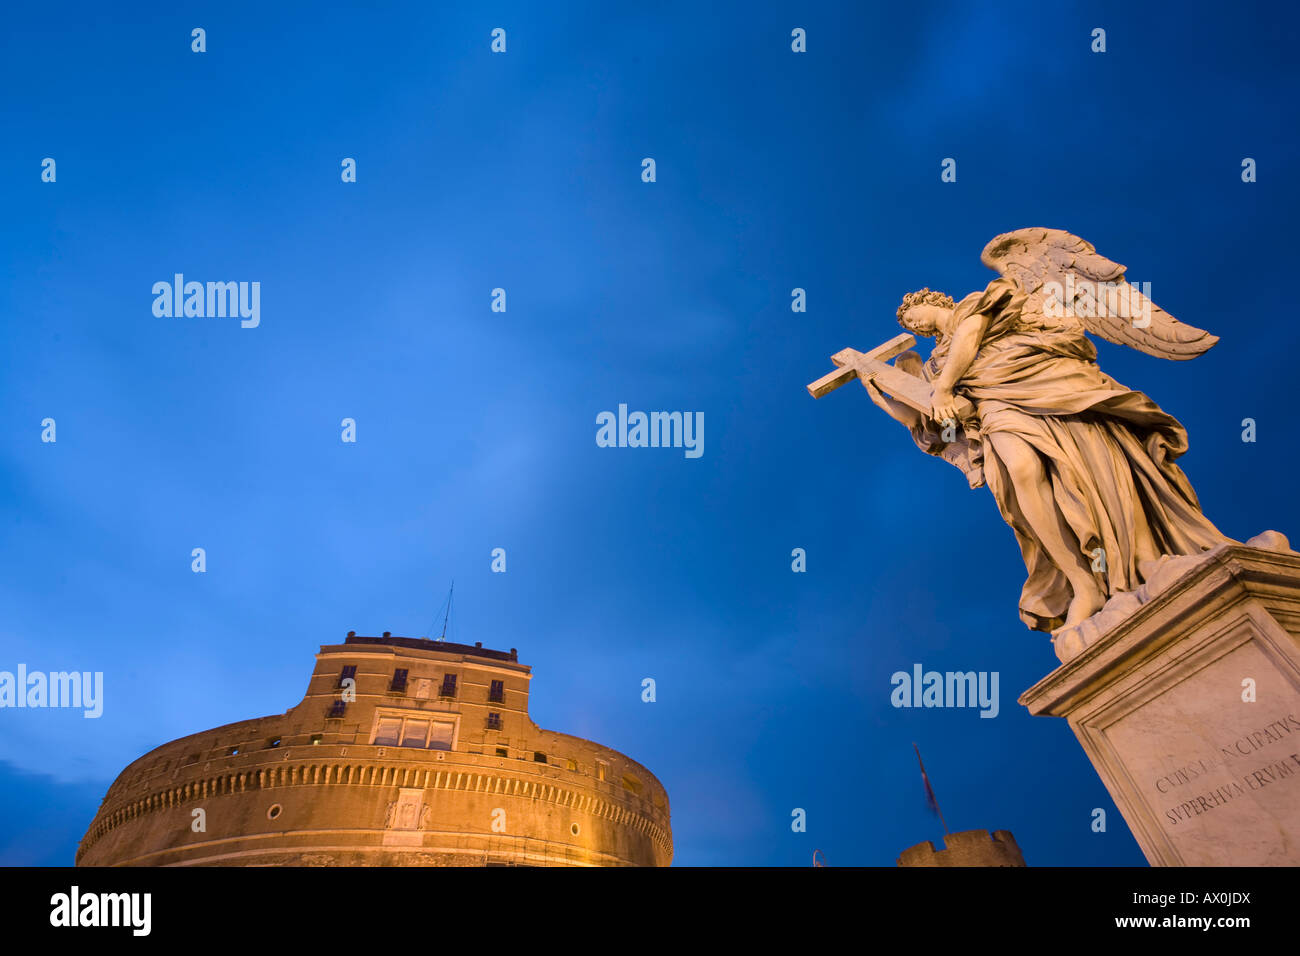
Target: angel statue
(1081, 468)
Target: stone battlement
(967, 848)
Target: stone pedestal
(1185, 694)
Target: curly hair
(923, 297)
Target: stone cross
(911, 390)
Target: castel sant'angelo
(403, 752)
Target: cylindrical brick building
(404, 752)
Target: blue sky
(476, 429)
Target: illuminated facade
(404, 752)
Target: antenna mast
(447, 616)
(930, 798)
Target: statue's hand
(943, 405)
(895, 410)
(876, 395)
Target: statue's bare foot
(1087, 601)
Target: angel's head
(922, 312)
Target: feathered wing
(1054, 266)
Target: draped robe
(1108, 452)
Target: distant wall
(968, 848)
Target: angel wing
(1068, 284)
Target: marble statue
(1081, 467)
